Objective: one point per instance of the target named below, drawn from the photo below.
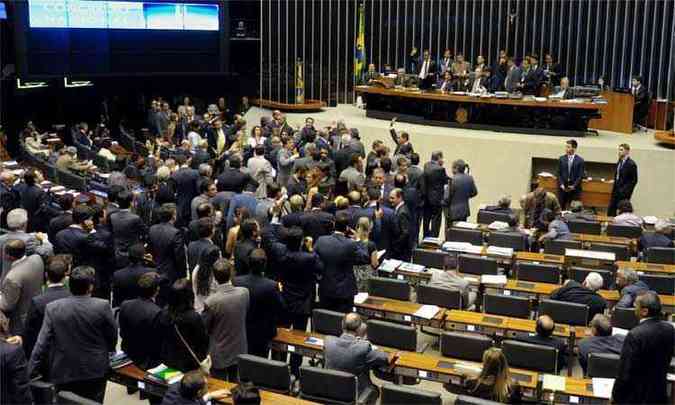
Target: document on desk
(590, 254)
(427, 311)
(553, 383)
(360, 298)
(411, 267)
(389, 265)
(465, 225)
(500, 251)
(602, 387)
(468, 368)
(492, 279)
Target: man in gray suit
(77, 335)
(22, 283)
(451, 280)
(225, 318)
(460, 189)
(353, 175)
(353, 353)
(17, 222)
(513, 76)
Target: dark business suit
(168, 250)
(513, 78)
(435, 179)
(32, 198)
(14, 378)
(36, 314)
(139, 331)
(430, 76)
(186, 189)
(625, 180)
(650, 240)
(127, 229)
(400, 244)
(173, 351)
(125, 283)
(195, 250)
(599, 344)
(641, 106)
(460, 189)
(59, 223)
(570, 177)
(645, 360)
(532, 80)
(174, 397)
(316, 223)
(234, 180)
(264, 310)
(242, 253)
(383, 228)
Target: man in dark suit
(339, 254)
(544, 328)
(186, 180)
(571, 171)
(513, 76)
(646, 356)
(57, 270)
(72, 327)
(138, 323)
(401, 248)
(196, 248)
(461, 188)
(166, 245)
(316, 222)
(564, 91)
(434, 179)
(641, 100)
(427, 71)
(585, 294)
(64, 219)
(14, 378)
(265, 305)
(32, 198)
(552, 70)
(625, 179)
(382, 231)
(534, 77)
(601, 341)
(125, 281)
(127, 228)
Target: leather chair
(603, 365)
(431, 258)
(625, 231)
(539, 273)
(43, 392)
(506, 305)
(531, 356)
(514, 240)
(487, 217)
(624, 318)
(389, 288)
(396, 395)
(660, 255)
(69, 398)
(473, 236)
(439, 296)
(620, 252)
(327, 322)
(328, 386)
(383, 333)
(471, 264)
(557, 247)
(587, 227)
(580, 273)
(568, 313)
(265, 374)
(464, 346)
(661, 284)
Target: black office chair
(471, 264)
(661, 284)
(69, 398)
(327, 322)
(464, 346)
(43, 392)
(603, 365)
(514, 240)
(329, 386)
(439, 296)
(539, 273)
(431, 258)
(397, 395)
(472, 236)
(531, 356)
(580, 273)
(568, 313)
(620, 252)
(506, 305)
(265, 374)
(557, 246)
(625, 231)
(383, 333)
(389, 288)
(587, 227)
(469, 400)
(487, 217)
(660, 255)
(51, 173)
(72, 180)
(624, 318)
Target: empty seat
(624, 318)
(603, 365)
(471, 264)
(436, 259)
(587, 227)
(327, 322)
(625, 231)
(506, 305)
(328, 386)
(539, 273)
(487, 217)
(557, 247)
(390, 334)
(389, 288)
(464, 346)
(514, 240)
(69, 398)
(43, 392)
(469, 400)
(442, 297)
(564, 312)
(472, 236)
(620, 252)
(265, 374)
(531, 356)
(660, 255)
(580, 273)
(397, 395)
(660, 283)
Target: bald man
(544, 336)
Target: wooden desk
(476, 322)
(617, 115)
(612, 240)
(134, 377)
(647, 267)
(594, 193)
(665, 137)
(577, 391)
(581, 260)
(400, 311)
(540, 258)
(530, 288)
(294, 341)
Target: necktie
(569, 166)
(618, 169)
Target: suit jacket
(626, 181)
(242, 252)
(14, 379)
(343, 158)
(400, 244)
(265, 307)
(649, 240)
(127, 229)
(353, 355)
(567, 95)
(33, 246)
(234, 180)
(431, 71)
(174, 353)
(461, 189)
(36, 314)
(195, 250)
(513, 78)
(451, 280)
(435, 179)
(125, 283)
(138, 319)
(186, 189)
(630, 292)
(574, 292)
(532, 80)
(225, 318)
(354, 178)
(316, 223)
(168, 250)
(32, 198)
(339, 254)
(59, 223)
(174, 397)
(599, 344)
(645, 360)
(74, 326)
(22, 283)
(82, 245)
(573, 177)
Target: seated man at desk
(557, 228)
(626, 216)
(451, 280)
(579, 213)
(34, 145)
(68, 161)
(586, 293)
(659, 238)
(193, 390)
(544, 336)
(371, 74)
(503, 206)
(601, 341)
(630, 286)
(105, 151)
(563, 92)
(352, 353)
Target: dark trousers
(344, 305)
(93, 389)
(566, 197)
(298, 322)
(230, 373)
(614, 202)
(432, 220)
(259, 348)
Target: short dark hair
(257, 261)
(259, 150)
(204, 186)
(373, 193)
(273, 189)
(624, 206)
(56, 270)
(459, 165)
(341, 221)
(81, 213)
(651, 301)
(166, 212)
(572, 143)
(15, 248)
(148, 284)
(414, 158)
(181, 298)
(66, 202)
(547, 215)
(625, 146)
(204, 227)
(136, 253)
(354, 160)
(204, 210)
(602, 325)
(81, 279)
(114, 191)
(317, 200)
(235, 162)
(400, 181)
(247, 228)
(386, 164)
(124, 199)
(192, 384)
(222, 271)
(294, 238)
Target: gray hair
(504, 201)
(17, 219)
(630, 275)
(352, 323)
(205, 169)
(602, 324)
(117, 179)
(662, 226)
(593, 281)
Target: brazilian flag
(360, 49)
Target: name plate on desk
(492, 319)
(523, 284)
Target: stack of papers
(427, 311)
(492, 279)
(390, 265)
(10, 163)
(553, 382)
(546, 174)
(590, 254)
(500, 251)
(166, 374)
(602, 387)
(411, 267)
(432, 241)
(360, 298)
(465, 225)
(462, 247)
(497, 225)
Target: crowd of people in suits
(208, 258)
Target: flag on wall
(359, 52)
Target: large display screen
(122, 15)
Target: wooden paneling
(617, 115)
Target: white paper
(471, 328)
(507, 292)
(432, 241)
(422, 374)
(465, 225)
(291, 349)
(400, 277)
(360, 298)
(574, 400)
(602, 387)
(141, 385)
(500, 251)
(455, 246)
(407, 318)
(546, 174)
(381, 253)
(411, 267)
(553, 382)
(427, 311)
(389, 265)
(492, 279)
(497, 225)
(619, 331)
(590, 254)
